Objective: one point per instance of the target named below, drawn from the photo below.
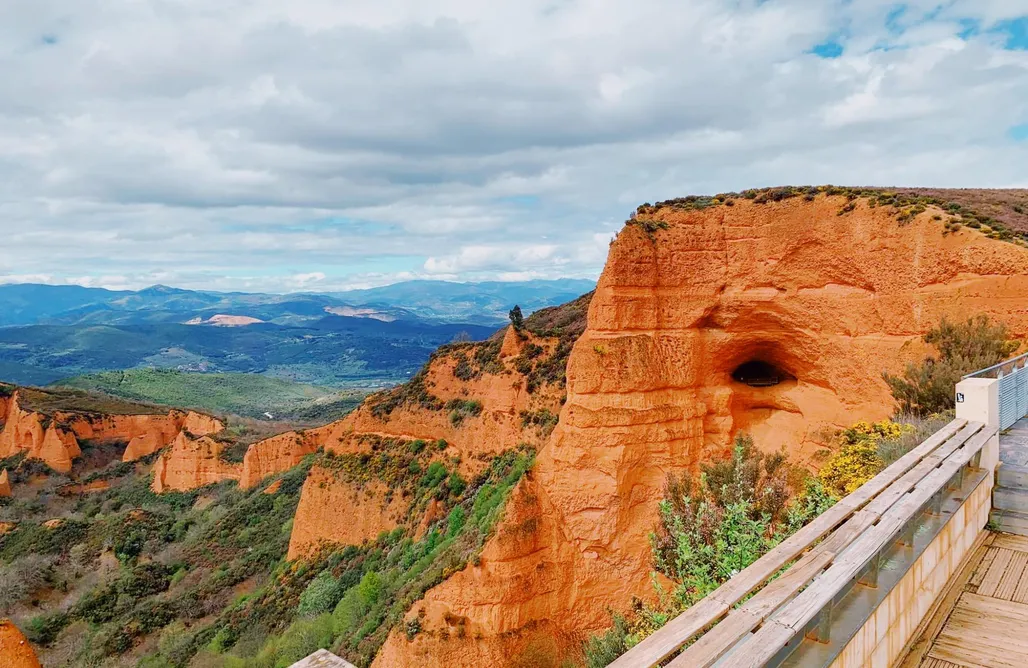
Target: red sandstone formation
(355, 513)
(5, 484)
(191, 463)
(55, 439)
(38, 435)
(328, 505)
(276, 454)
(15, 650)
(58, 448)
(145, 434)
(823, 295)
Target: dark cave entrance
(758, 373)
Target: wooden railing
(836, 550)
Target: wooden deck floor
(985, 620)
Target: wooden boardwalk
(983, 619)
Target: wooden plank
(938, 663)
(996, 570)
(943, 605)
(680, 630)
(983, 568)
(1021, 591)
(1012, 576)
(874, 486)
(761, 646)
(984, 631)
(1011, 542)
(905, 483)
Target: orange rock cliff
(15, 650)
(55, 438)
(505, 400)
(822, 293)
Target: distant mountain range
(478, 303)
(363, 338)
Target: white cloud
(307, 145)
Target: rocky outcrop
(343, 512)
(191, 463)
(818, 294)
(38, 435)
(277, 454)
(58, 449)
(5, 484)
(22, 430)
(15, 650)
(328, 503)
(55, 438)
(144, 434)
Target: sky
(278, 146)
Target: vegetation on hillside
(474, 359)
(248, 395)
(67, 399)
(710, 528)
(335, 351)
(866, 448)
(200, 578)
(927, 387)
(1000, 214)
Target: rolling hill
(248, 395)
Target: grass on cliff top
(73, 400)
(248, 395)
(1002, 214)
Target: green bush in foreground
(708, 530)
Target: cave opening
(758, 373)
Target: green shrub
(455, 522)
(463, 370)
(320, 596)
(44, 629)
(456, 484)
(461, 409)
(435, 474)
(927, 387)
(602, 650)
(145, 580)
(302, 638)
(98, 606)
(708, 530)
(356, 604)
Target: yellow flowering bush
(859, 459)
(875, 431)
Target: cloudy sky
(321, 144)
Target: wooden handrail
(792, 618)
(847, 522)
